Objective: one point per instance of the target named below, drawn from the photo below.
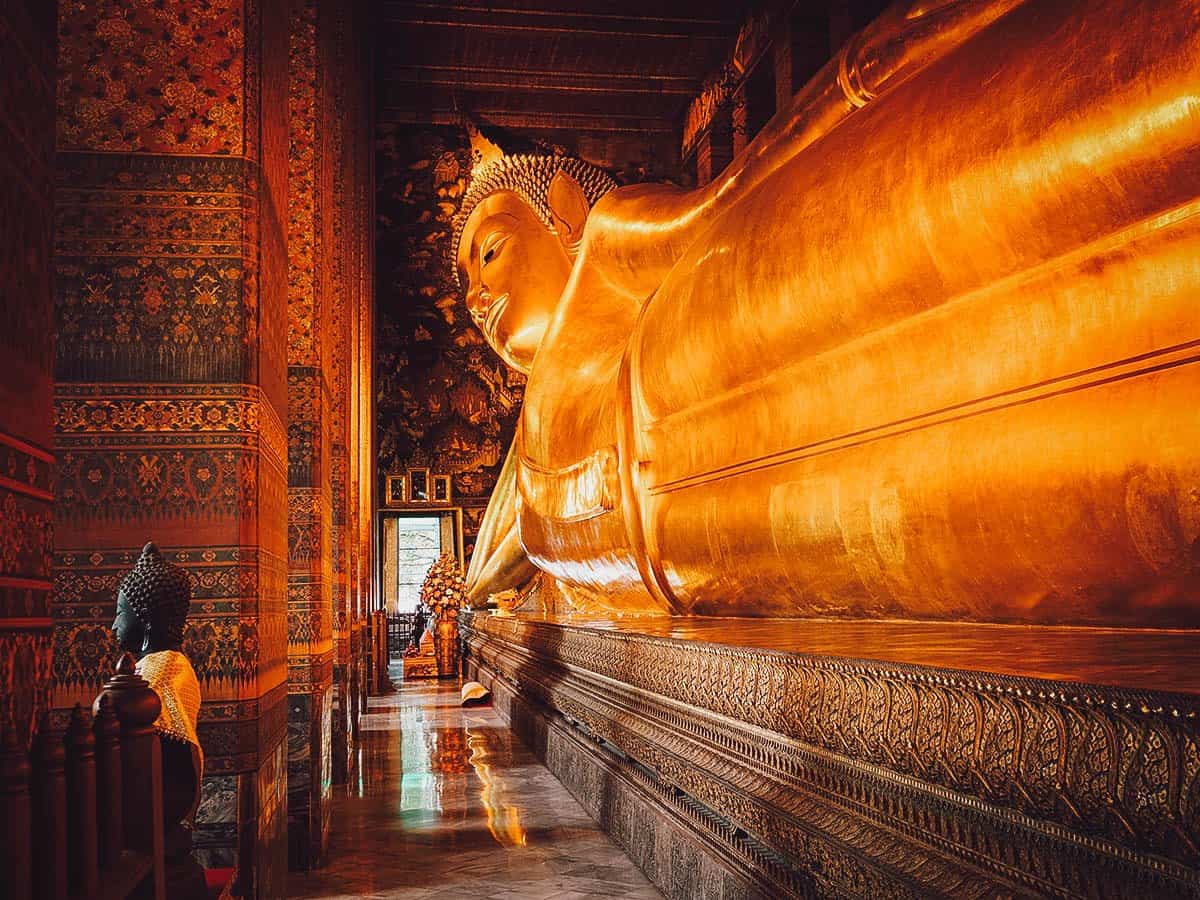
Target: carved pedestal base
(741, 772)
(445, 644)
(423, 665)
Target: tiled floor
(448, 803)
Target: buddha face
(128, 629)
(514, 270)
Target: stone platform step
(790, 758)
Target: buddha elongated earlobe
(569, 210)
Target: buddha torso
(574, 520)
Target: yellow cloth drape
(171, 675)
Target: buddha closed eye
(516, 270)
(515, 236)
(491, 246)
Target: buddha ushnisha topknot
(529, 178)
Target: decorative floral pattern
(444, 399)
(130, 414)
(154, 276)
(306, 402)
(27, 349)
(304, 314)
(150, 76)
(24, 678)
(26, 535)
(131, 482)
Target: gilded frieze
(1087, 784)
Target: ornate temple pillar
(351, 234)
(326, 279)
(714, 150)
(363, 584)
(340, 475)
(26, 380)
(739, 115)
(170, 266)
(310, 352)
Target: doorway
(410, 542)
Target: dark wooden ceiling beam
(565, 57)
(555, 21)
(491, 22)
(474, 78)
(572, 122)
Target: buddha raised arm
(928, 353)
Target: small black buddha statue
(152, 607)
(420, 621)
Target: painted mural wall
(26, 327)
(443, 398)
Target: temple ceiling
(554, 71)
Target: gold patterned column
(312, 346)
(171, 369)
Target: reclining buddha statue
(927, 348)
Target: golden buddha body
(927, 349)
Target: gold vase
(445, 644)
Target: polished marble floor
(447, 803)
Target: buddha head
(515, 240)
(152, 604)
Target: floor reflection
(447, 803)
(504, 818)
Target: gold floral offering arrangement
(445, 589)
(445, 593)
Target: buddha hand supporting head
(516, 236)
(152, 604)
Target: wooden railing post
(110, 827)
(16, 850)
(367, 652)
(373, 628)
(357, 704)
(382, 683)
(49, 813)
(83, 872)
(137, 707)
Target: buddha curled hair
(529, 178)
(159, 594)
